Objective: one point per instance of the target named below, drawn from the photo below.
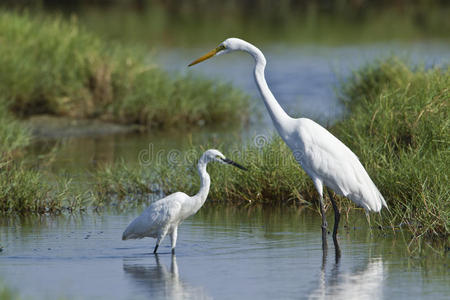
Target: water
(222, 253)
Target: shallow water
(222, 253)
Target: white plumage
(165, 215)
(330, 162)
(323, 157)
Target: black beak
(229, 161)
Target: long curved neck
(205, 182)
(278, 115)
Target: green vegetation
(274, 23)
(399, 128)
(178, 23)
(397, 125)
(23, 188)
(122, 186)
(13, 136)
(55, 67)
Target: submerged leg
(324, 257)
(337, 217)
(173, 239)
(324, 224)
(158, 241)
(368, 218)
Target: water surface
(222, 253)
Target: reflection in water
(364, 282)
(159, 282)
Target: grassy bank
(55, 67)
(184, 23)
(397, 125)
(13, 136)
(23, 188)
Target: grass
(13, 136)
(397, 124)
(121, 186)
(51, 66)
(175, 23)
(54, 66)
(399, 127)
(24, 189)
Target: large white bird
(165, 215)
(323, 157)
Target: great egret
(323, 157)
(165, 215)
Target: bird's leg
(324, 224)
(158, 241)
(173, 239)
(337, 217)
(367, 217)
(324, 257)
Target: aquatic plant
(54, 66)
(13, 135)
(398, 125)
(25, 190)
(121, 185)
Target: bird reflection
(364, 282)
(159, 282)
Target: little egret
(165, 215)
(323, 157)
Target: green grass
(24, 189)
(399, 128)
(121, 186)
(13, 136)
(174, 23)
(53, 66)
(398, 125)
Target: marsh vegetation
(53, 66)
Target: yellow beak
(207, 55)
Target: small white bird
(323, 157)
(165, 215)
